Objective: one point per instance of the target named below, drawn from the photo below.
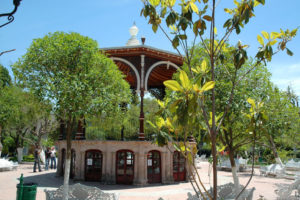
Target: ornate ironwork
(10, 16)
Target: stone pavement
(47, 180)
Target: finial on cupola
(133, 41)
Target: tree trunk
(68, 159)
(234, 171)
(274, 150)
(214, 165)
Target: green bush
(29, 158)
(14, 159)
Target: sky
(108, 23)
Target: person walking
(36, 159)
(53, 158)
(48, 157)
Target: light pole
(10, 16)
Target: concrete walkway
(47, 180)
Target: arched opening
(93, 165)
(132, 75)
(63, 162)
(124, 167)
(157, 74)
(154, 167)
(178, 166)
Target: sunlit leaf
(265, 34)
(252, 102)
(194, 7)
(260, 40)
(172, 85)
(208, 86)
(185, 81)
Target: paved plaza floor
(47, 180)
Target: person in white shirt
(53, 158)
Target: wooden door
(125, 167)
(154, 167)
(178, 167)
(93, 165)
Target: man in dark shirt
(48, 156)
(36, 159)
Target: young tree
(192, 17)
(69, 70)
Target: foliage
(5, 79)
(22, 116)
(68, 70)
(193, 16)
(109, 127)
(28, 158)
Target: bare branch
(3, 52)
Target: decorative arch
(132, 67)
(168, 63)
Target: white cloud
(284, 76)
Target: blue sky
(108, 22)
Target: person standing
(36, 159)
(53, 158)
(47, 156)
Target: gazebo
(130, 162)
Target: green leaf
(208, 86)
(175, 42)
(252, 102)
(204, 68)
(215, 31)
(160, 122)
(185, 81)
(182, 37)
(273, 42)
(194, 7)
(265, 34)
(171, 3)
(154, 27)
(173, 85)
(207, 17)
(154, 2)
(289, 52)
(274, 35)
(261, 1)
(260, 40)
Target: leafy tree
(24, 111)
(5, 79)
(282, 122)
(122, 125)
(68, 70)
(193, 16)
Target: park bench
(286, 191)
(80, 192)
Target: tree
(282, 122)
(192, 16)
(5, 79)
(68, 70)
